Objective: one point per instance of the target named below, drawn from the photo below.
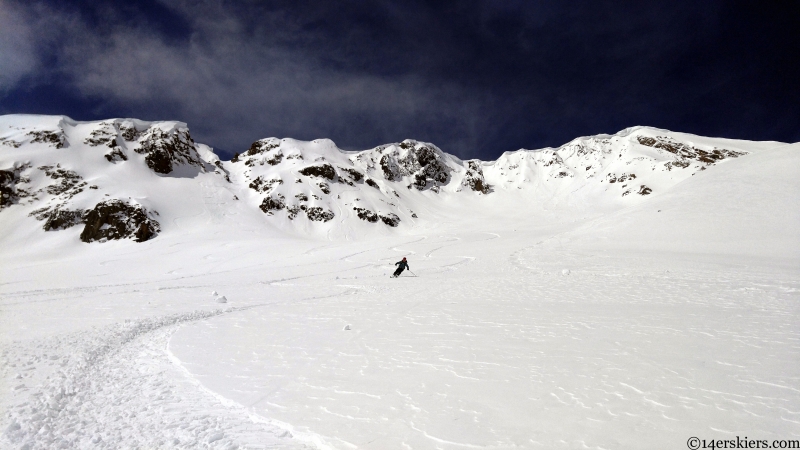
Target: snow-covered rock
(155, 178)
(111, 176)
(673, 299)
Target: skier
(401, 266)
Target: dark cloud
(475, 77)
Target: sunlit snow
(552, 312)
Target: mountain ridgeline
(130, 179)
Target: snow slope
(156, 179)
(547, 310)
(715, 221)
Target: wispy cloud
(242, 85)
(475, 77)
(18, 55)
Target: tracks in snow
(117, 387)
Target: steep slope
(125, 178)
(548, 308)
(315, 181)
(633, 163)
(112, 178)
(741, 213)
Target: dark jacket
(402, 265)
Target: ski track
(132, 385)
(588, 320)
(89, 398)
(643, 373)
(117, 387)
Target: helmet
(404, 258)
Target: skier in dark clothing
(401, 266)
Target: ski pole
(412, 273)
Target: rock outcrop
(686, 153)
(55, 138)
(9, 193)
(474, 179)
(424, 163)
(165, 150)
(67, 173)
(116, 219)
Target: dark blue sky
(476, 78)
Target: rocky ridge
(66, 173)
(57, 192)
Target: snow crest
(57, 170)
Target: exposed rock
(42, 213)
(613, 178)
(318, 214)
(389, 167)
(262, 184)
(116, 154)
(293, 211)
(687, 152)
(553, 160)
(10, 143)
(390, 219)
(8, 187)
(115, 219)
(370, 216)
(7, 180)
(322, 171)
(70, 185)
(273, 204)
(164, 151)
(276, 159)
(56, 138)
(263, 146)
(424, 162)
(681, 164)
(129, 132)
(433, 171)
(474, 178)
(326, 171)
(60, 219)
(354, 174)
(105, 135)
(144, 232)
(365, 214)
(219, 165)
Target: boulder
(115, 219)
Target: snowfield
(541, 311)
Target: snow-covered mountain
(126, 178)
(625, 291)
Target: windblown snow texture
(624, 291)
